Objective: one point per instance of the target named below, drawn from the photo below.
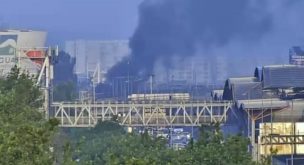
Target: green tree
(108, 143)
(214, 148)
(90, 144)
(25, 136)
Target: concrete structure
(25, 38)
(98, 55)
(21, 47)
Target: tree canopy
(107, 143)
(25, 136)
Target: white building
(96, 56)
(193, 70)
(17, 47)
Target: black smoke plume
(170, 28)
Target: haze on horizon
(72, 19)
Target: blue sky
(73, 19)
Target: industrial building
(193, 70)
(21, 47)
(274, 81)
(96, 56)
(271, 105)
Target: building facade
(95, 58)
(19, 47)
(199, 70)
(296, 55)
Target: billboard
(8, 45)
(25, 48)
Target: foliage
(89, 145)
(64, 92)
(25, 136)
(213, 148)
(22, 89)
(107, 143)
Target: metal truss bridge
(140, 113)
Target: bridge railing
(140, 114)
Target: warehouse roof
(261, 104)
(242, 88)
(282, 76)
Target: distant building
(242, 88)
(18, 46)
(96, 56)
(194, 70)
(270, 81)
(296, 55)
(220, 69)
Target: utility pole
(128, 78)
(151, 83)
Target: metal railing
(81, 114)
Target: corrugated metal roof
(283, 76)
(295, 112)
(250, 90)
(261, 104)
(242, 88)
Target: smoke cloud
(238, 29)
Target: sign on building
(8, 45)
